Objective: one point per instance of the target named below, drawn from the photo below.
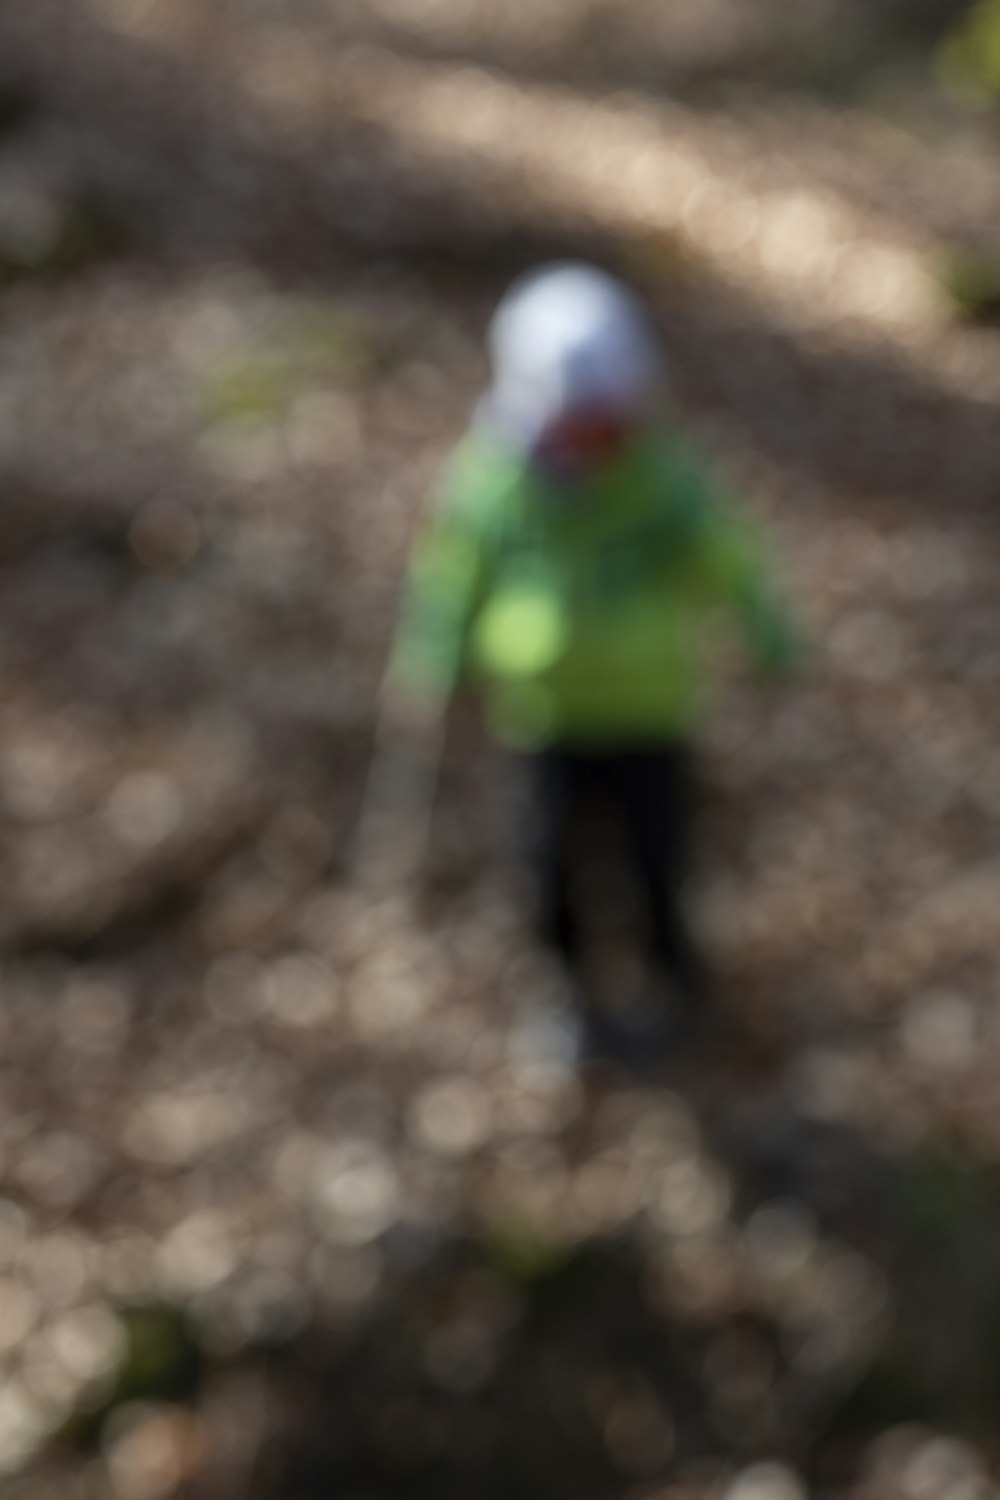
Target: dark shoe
(634, 1043)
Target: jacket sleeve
(441, 592)
(730, 568)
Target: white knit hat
(568, 337)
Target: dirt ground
(298, 1195)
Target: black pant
(649, 794)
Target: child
(570, 570)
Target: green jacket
(583, 610)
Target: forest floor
(298, 1194)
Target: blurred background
(298, 1198)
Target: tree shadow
(597, 48)
(499, 1362)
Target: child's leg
(554, 797)
(655, 793)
